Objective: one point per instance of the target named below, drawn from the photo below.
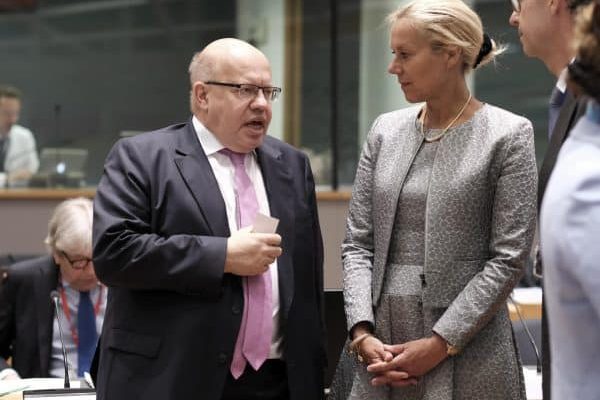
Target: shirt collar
(561, 83)
(210, 143)
(66, 285)
(593, 111)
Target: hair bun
(486, 48)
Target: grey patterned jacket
(480, 216)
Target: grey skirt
(479, 372)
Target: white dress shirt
(98, 296)
(21, 153)
(570, 244)
(224, 173)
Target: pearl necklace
(438, 137)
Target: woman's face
(421, 70)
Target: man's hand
(250, 253)
(416, 358)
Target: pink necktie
(254, 337)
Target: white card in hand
(264, 224)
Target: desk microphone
(66, 393)
(54, 297)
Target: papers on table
(13, 386)
(533, 383)
(531, 295)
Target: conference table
(13, 389)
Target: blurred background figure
(546, 30)
(18, 154)
(570, 228)
(440, 224)
(28, 327)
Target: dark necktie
(556, 101)
(2, 153)
(86, 333)
(254, 337)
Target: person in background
(28, 325)
(440, 224)
(204, 305)
(570, 229)
(18, 154)
(546, 31)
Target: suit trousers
(268, 383)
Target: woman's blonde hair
(450, 23)
(70, 227)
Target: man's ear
(199, 93)
(558, 5)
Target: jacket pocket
(134, 343)
(130, 363)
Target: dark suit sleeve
(317, 246)
(133, 246)
(7, 322)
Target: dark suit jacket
(160, 236)
(570, 113)
(26, 316)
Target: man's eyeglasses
(248, 91)
(76, 264)
(516, 5)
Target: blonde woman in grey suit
(440, 224)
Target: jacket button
(222, 358)
(423, 281)
(236, 309)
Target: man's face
(77, 269)
(240, 124)
(10, 109)
(534, 23)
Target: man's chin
(254, 139)
(84, 286)
(526, 49)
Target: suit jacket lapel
(45, 282)
(197, 173)
(563, 121)
(569, 113)
(277, 178)
(410, 140)
(392, 180)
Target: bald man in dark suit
(171, 244)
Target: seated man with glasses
(29, 333)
